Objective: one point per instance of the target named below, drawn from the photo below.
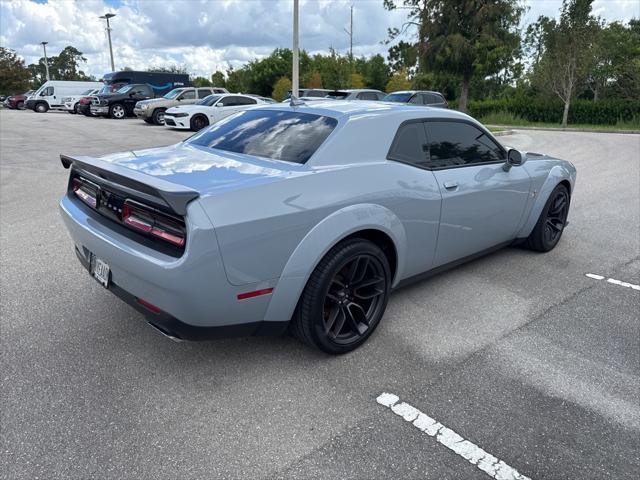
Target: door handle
(450, 185)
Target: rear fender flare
(320, 239)
(556, 175)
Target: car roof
(349, 108)
(415, 91)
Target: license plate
(100, 270)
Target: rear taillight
(85, 192)
(153, 223)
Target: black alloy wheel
(345, 297)
(354, 298)
(198, 123)
(547, 232)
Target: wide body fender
(320, 239)
(544, 181)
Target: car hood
(152, 100)
(205, 170)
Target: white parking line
(613, 281)
(450, 439)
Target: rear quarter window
(279, 135)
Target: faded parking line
(613, 281)
(469, 451)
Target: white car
(71, 102)
(209, 110)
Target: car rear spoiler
(148, 187)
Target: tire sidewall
(316, 298)
(41, 107)
(194, 121)
(548, 246)
(156, 114)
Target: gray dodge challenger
(305, 216)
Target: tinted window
(289, 136)
(231, 101)
(368, 96)
(208, 101)
(417, 99)
(409, 144)
(454, 143)
(397, 97)
(188, 95)
(203, 92)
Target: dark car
(17, 101)
(418, 97)
(120, 103)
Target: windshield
(397, 97)
(172, 94)
(279, 135)
(208, 100)
(125, 89)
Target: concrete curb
(550, 129)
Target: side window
(232, 101)
(430, 99)
(416, 100)
(144, 91)
(380, 96)
(454, 143)
(246, 101)
(47, 92)
(368, 96)
(203, 92)
(409, 144)
(188, 95)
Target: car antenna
(295, 102)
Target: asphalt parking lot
(521, 354)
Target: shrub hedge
(602, 112)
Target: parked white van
(50, 95)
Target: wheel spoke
(338, 323)
(556, 227)
(358, 269)
(333, 315)
(358, 327)
(369, 288)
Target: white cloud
(205, 35)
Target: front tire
(199, 122)
(344, 299)
(117, 111)
(553, 218)
(41, 107)
(158, 116)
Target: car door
(231, 104)
(188, 97)
(482, 202)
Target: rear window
(397, 97)
(289, 136)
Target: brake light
(84, 192)
(153, 223)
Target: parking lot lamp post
(107, 16)
(294, 80)
(46, 62)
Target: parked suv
(120, 103)
(17, 101)
(152, 110)
(418, 97)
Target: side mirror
(179, 99)
(514, 159)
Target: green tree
(464, 38)
(201, 82)
(238, 80)
(356, 80)
(315, 80)
(65, 66)
(376, 72)
(404, 55)
(218, 80)
(14, 75)
(281, 88)
(397, 82)
(564, 51)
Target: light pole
(295, 81)
(350, 33)
(107, 16)
(46, 62)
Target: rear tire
(158, 116)
(344, 299)
(199, 122)
(41, 107)
(553, 218)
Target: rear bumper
(192, 292)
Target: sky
(209, 35)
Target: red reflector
(148, 306)
(255, 293)
(153, 223)
(176, 240)
(83, 193)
